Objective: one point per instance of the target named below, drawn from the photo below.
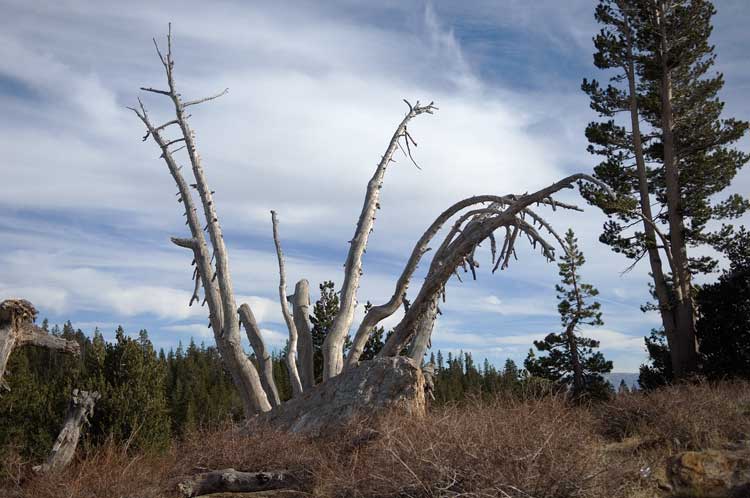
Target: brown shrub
(683, 417)
(541, 448)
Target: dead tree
(477, 219)
(17, 329)
(80, 408)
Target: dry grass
(541, 448)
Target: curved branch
(456, 251)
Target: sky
(315, 92)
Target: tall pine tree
(661, 58)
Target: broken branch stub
(17, 329)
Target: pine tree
(135, 403)
(724, 321)
(375, 342)
(570, 359)
(683, 158)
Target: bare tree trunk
(217, 284)
(333, 345)
(684, 347)
(291, 353)
(301, 315)
(17, 329)
(421, 341)
(234, 481)
(265, 365)
(80, 408)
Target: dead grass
(541, 448)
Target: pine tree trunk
(575, 359)
(657, 273)
(684, 348)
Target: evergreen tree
(661, 58)
(134, 402)
(724, 321)
(570, 359)
(375, 342)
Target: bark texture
(374, 386)
(17, 329)
(235, 481)
(80, 408)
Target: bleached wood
(333, 345)
(454, 252)
(263, 356)
(301, 315)
(17, 329)
(217, 283)
(291, 355)
(235, 481)
(80, 408)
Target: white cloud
(315, 92)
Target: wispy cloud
(315, 91)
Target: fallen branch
(235, 481)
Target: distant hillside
(631, 379)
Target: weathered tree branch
(291, 354)
(376, 314)
(452, 254)
(217, 284)
(265, 365)
(334, 341)
(301, 314)
(80, 408)
(234, 481)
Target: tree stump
(17, 329)
(381, 384)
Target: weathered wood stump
(17, 329)
(375, 386)
(80, 408)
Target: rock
(390, 383)
(711, 473)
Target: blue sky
(315, 91)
